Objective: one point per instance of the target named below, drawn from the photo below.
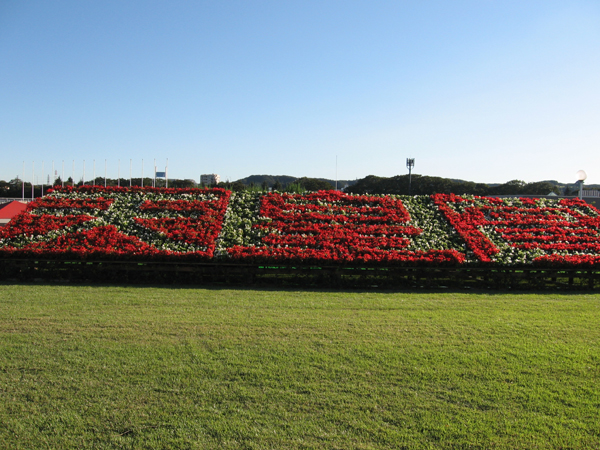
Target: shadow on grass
(215, 286)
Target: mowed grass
(145, 367)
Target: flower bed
(332, 227)
(322, 228)
(524, 231)
(119, 223)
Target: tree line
(15, 189)
(418, 185)
(425, 185)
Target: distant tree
(175, 183)
(12, 188)
(265, 185)
(295, 188)
(368, 185)
(314, 184)
(5, 189)
(277, 186)
(480, 189)
(513, 187)
(571, 189)
(540, 188)
(236, 186)
(419, 185)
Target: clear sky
(481, 90)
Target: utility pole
(581, 176)
(336, 176)
(410, 163)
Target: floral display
(321, 228)
(330, 226)
(513, 231)
(124, 223)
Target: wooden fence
(224, 274)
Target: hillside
(423, 184)
(285, 180)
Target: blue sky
(487, 91)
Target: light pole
(410, 163)
(581, 176)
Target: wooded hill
(280, 182)
(425, 185)
(420, 185)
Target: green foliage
(270, 179)
(279, 182)
(425, 185)
(314, 184)
(175, 183)
(295, 188)
(13, 188)
(237, 187)
(121, 367)
(254, 188)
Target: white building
(210, 179)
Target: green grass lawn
(145, 367)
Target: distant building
(210, 179)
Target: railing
(590, 193)
(10, 199)
(230, 274)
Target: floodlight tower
(410, 163)
(581, 176)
